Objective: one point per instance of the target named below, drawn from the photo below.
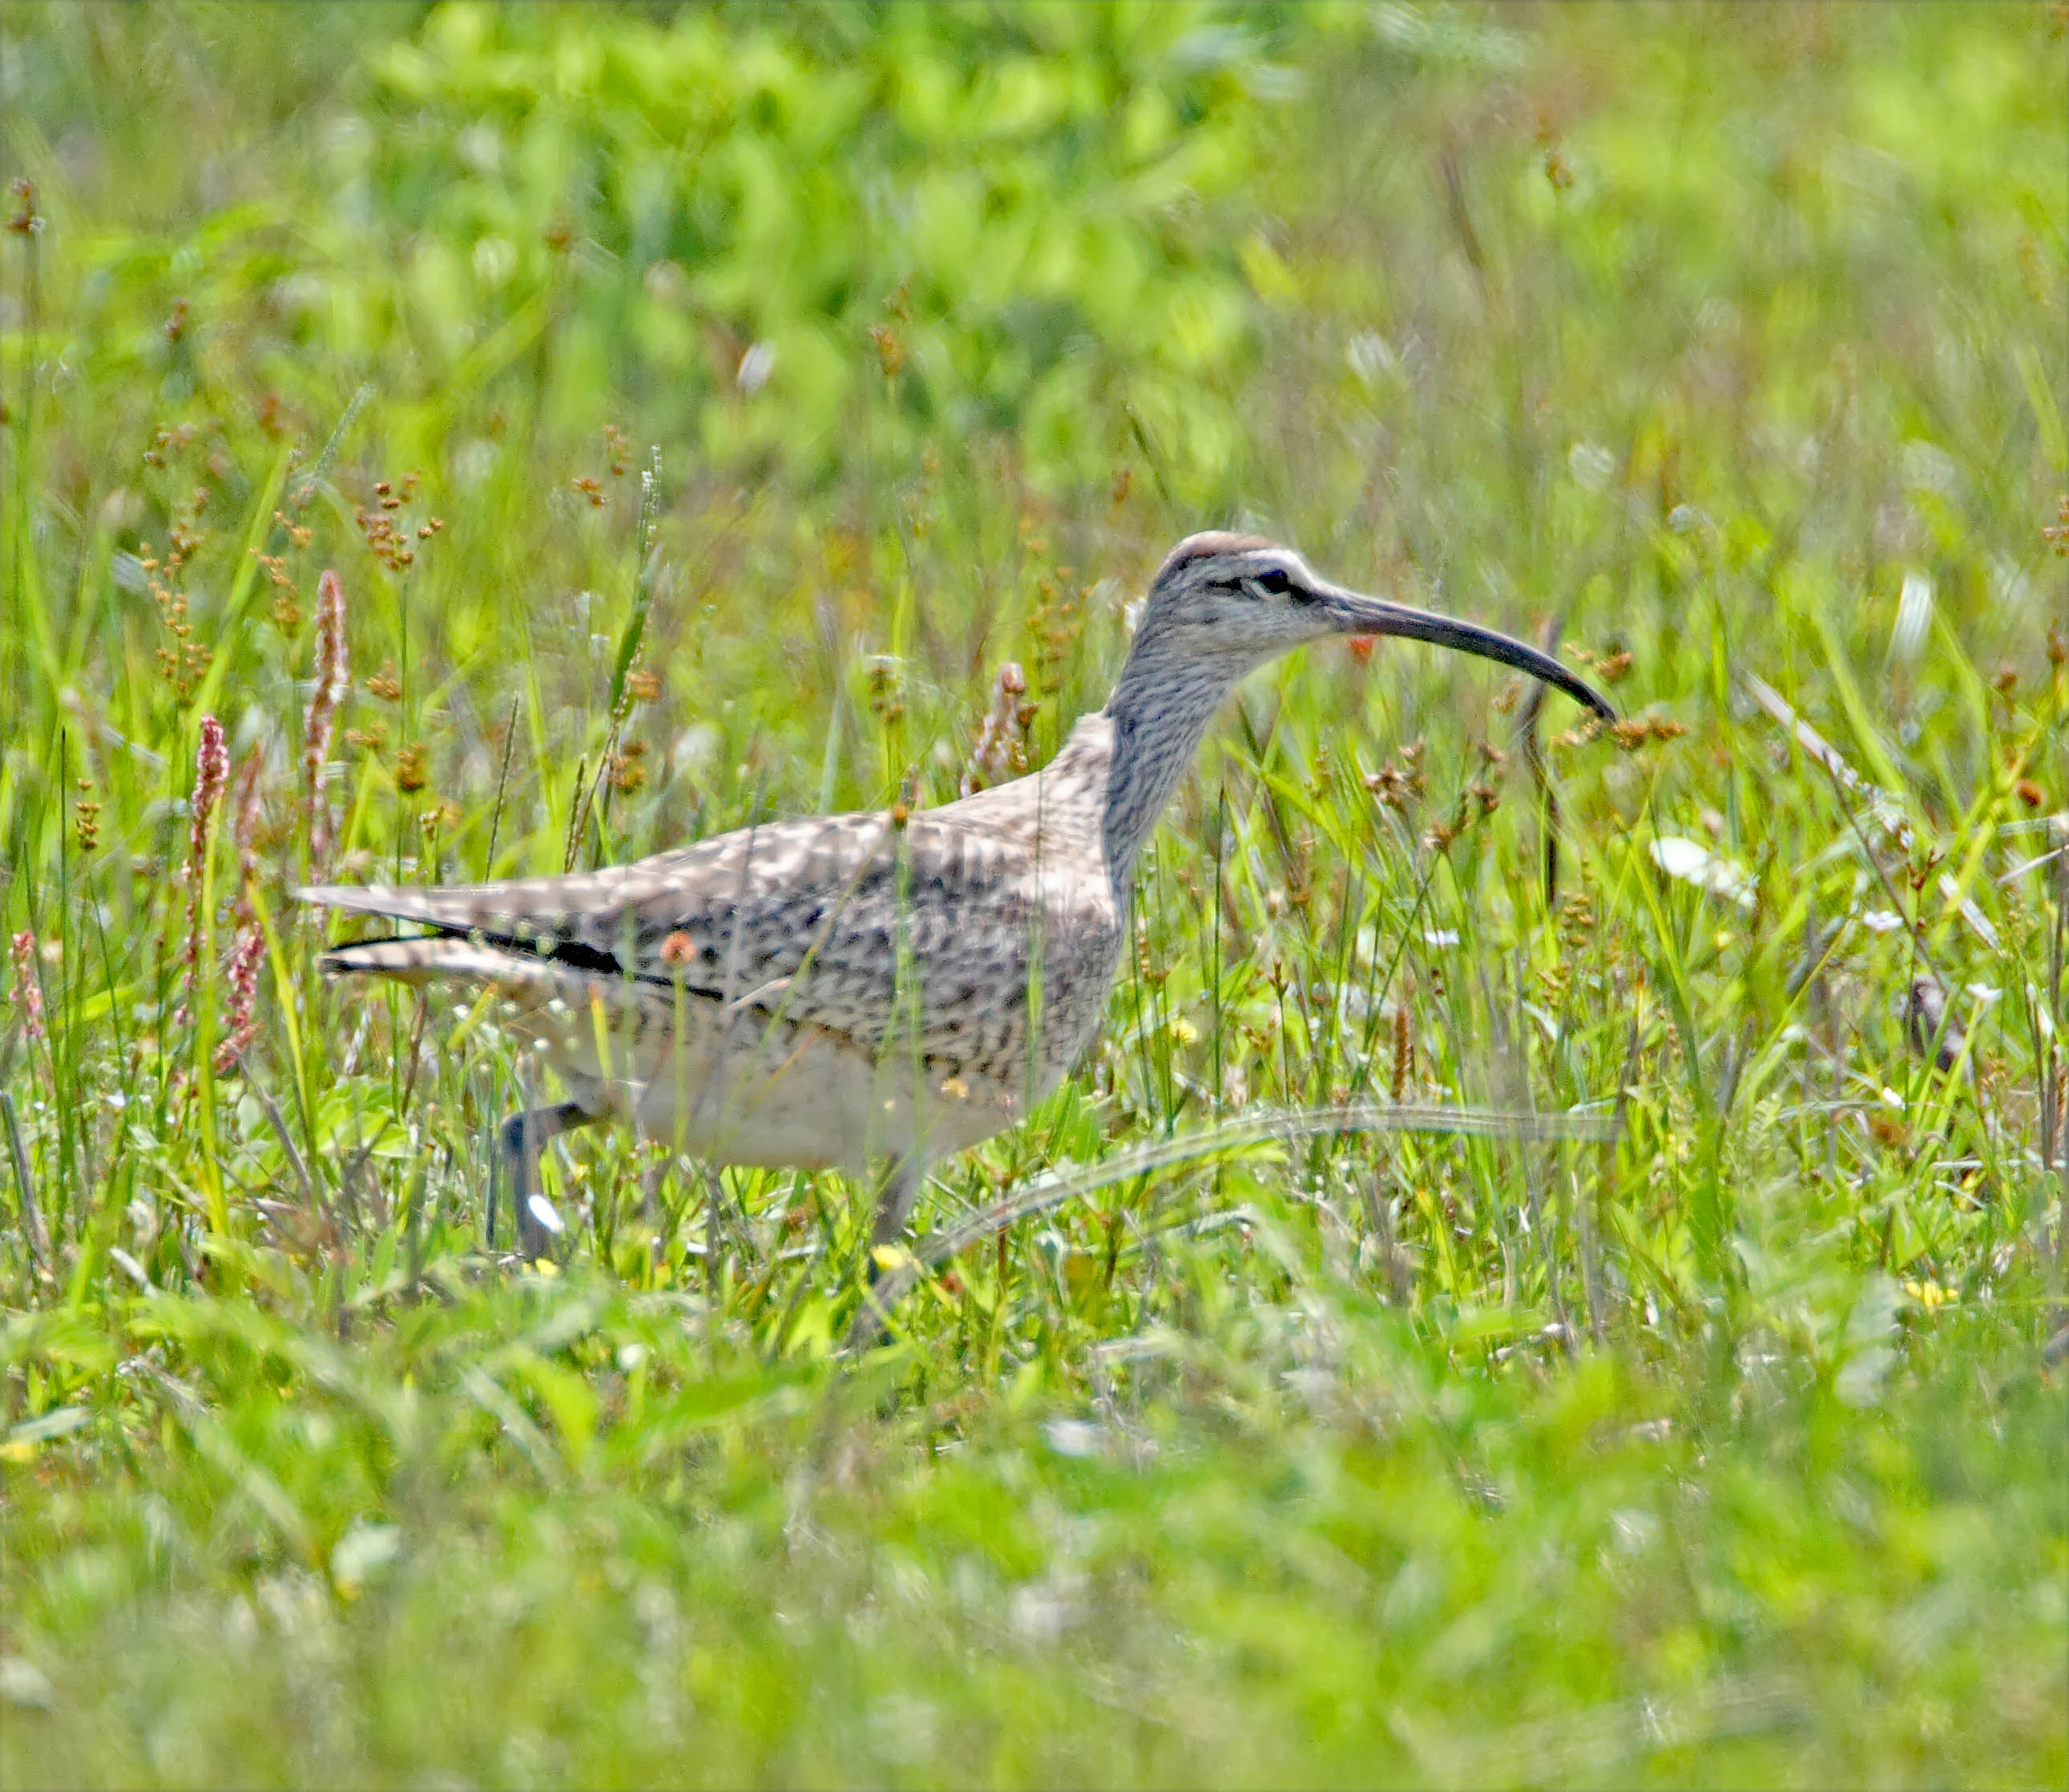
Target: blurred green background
(1729, 340)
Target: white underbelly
(759, 1092)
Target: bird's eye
(1276, 583)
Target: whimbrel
(845, 991)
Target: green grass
(1730, 1449)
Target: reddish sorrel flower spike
(334, 679)
(247, 812)
(211, 776)
(28, 992)
(240, 971)
(241, 976)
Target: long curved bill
(1353, 612)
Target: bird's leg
(901, 1190)
(518, 1142)
(717, 1218)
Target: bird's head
(1235, 602)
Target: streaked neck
(1159, 711)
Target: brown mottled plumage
(845, 989)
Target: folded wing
(931, 933)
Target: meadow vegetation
(696, 413)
